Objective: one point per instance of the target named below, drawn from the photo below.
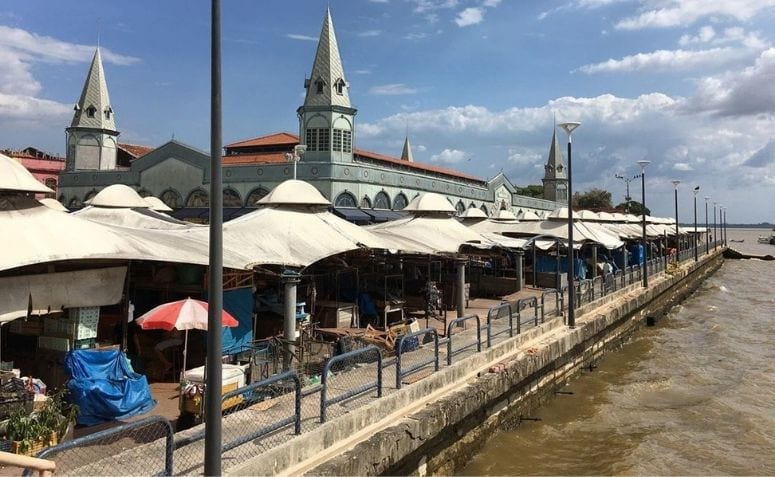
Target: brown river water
(693, 395)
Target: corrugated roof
(284, 138)
(135, 150)
(275, 139)
(258, 158)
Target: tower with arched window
(555, 176)
(92, 136)
(327, 119)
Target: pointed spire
(555, 165)
(406, 154)
(327, 85)
(93, 109)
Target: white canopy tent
(430, 228)
(293, 228)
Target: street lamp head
(300, 149)
(643, 163)
(289, 156)
(569, 127)
(696, 190)
(675, 183)
(707, 198)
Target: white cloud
(682, 166)
(746, 92)
(708, 35)
(369, 33)
(423, 6)
(20, 50)
(362, 71)
(673, 13)
(470, 16)
(415, 36)
(705, 34)
(449, 156)
(668, 60)
(392, 89)
(294, 36)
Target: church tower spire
(555, 176)
(327, 119)
(406, 153)
(92, 135)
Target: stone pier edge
(435, 425)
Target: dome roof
(156, 204)
(53, 204)
(473, 213)
(588, 215)
(529, 216)
(15, 177)
(562, 213)
(430, 202)
(504, 214)
(294, 192)
(118, 195)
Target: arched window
(51, 183)
(382, 201)
(91, 111)
(471, 205)
(319, 85)
(400, 201)
(345, 199)
(365, 202)
(198, 198)
(172, 198)
(460, 207)
(231, 198)
(484, 209)
(254, 196)
(339, 85)
(90, 195)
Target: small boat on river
(764, 239)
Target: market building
(364, 186)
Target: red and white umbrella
(188, 314)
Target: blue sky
(685, 84)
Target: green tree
(594, 199)
(533, 190)
(636, 208)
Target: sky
(476, 84)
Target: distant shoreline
(737, 226)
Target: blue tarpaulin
(239, 303)
(105, 387)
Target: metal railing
(151, 439)
(449, 339)
(413, 342)
(338, 365)
(495, 313)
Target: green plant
(55, 417)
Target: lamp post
(569, 127)
(715, 233)
(725, 226)
(627, 197)
(696, 190)
(707, 224)
(677, 237)
(643, 165)
(295, 156)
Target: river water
(694, 395)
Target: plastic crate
(87, 343)
(54, 342)
(69, 327)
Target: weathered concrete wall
(443, 435)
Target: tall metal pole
(677, 237)
(707, 225)
(215, 285)
(643, 165)
(569, 127)
(715, 233)
(696, 189)
(725, 226)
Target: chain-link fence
(142, 447)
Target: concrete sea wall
(435, 425)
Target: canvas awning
(42, 293)
(582, 232)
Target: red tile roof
(258, 158)
(283, 138)
(276, 139)
(135, 150)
